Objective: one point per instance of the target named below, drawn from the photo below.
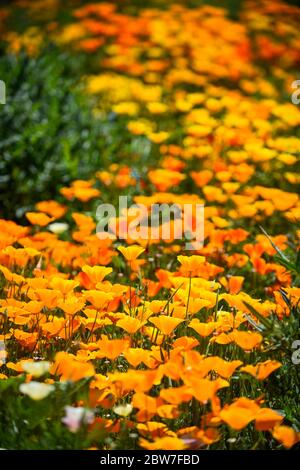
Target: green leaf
(297, 263)
(281, 254)
(264, 321)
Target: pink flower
(75, 417)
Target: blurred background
(52, 131)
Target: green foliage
(280, 338)
(48, 134)
(30, 424)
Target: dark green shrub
(48, 135)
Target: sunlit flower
(58, 227)
(38, 218)
(131, 253)
(36, 390)
(37, 369)
(123, 410)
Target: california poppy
(166, 324)
(262, 369)
(131, 253)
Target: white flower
(76, 416)
(36, 390)
(58, 227)
(123, 410)
(37, 369)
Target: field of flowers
(134, 342)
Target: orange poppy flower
(163, 277)
(34, 306)
(235, 284)
(129, 324)
(81, 190)
(137, 380)
(69, 368)
(65, 286)
(98, 299)
(39, 218)
(195, 305)
(240, 413)
(135, 356)
(19, 256)
(146, 405)
(166, 324)
(201, 178)
(163, 443)
(168, 411)
(54, 327)
(203, 329)
(224, 368)
(261, 370)
(286, 435)
(203, 389)
(49, 297)
(191, 265)
(131, 253)
(52, 208)
(96, 273)
(208, 436)
(266, 419)
(165, 179)
(17, 367)
(247, 340)
(95, 319)
(111, 349)
(27, 340)
(176, 395)
(12, 277)
(185, 342)
(153, 429)
(71, 305)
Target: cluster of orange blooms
(151, 334)
(68, 302)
